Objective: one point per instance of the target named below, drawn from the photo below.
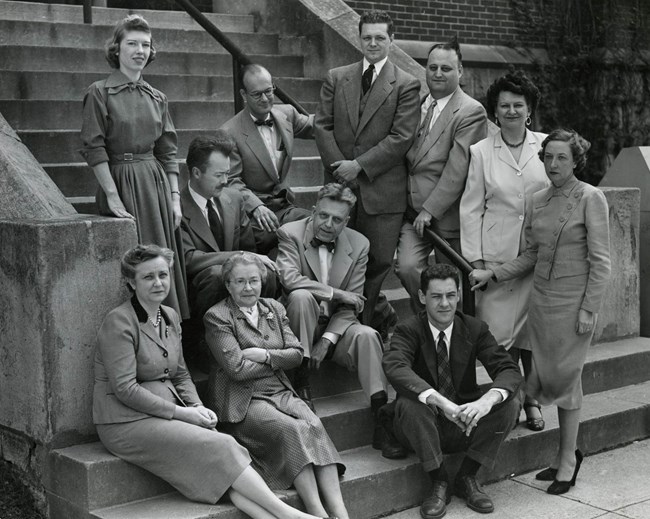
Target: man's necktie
(329, 245)
(445, 383)
(426, 124)
(216, 226)
(366, 79)
(268, 122)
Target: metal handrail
(239, 58)
(465, 267)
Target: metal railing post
(236, 85)
(88, 11)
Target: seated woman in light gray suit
(251, 340)
(145, 405)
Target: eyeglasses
(241, 283)
(258, 95)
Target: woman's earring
(528, 121)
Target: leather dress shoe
(435, 507)
(386, 442)
(305, 395)
(468, 488)
(534, 424)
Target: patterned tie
(445, 384)
(366, 79)
(426, 124)
(216, 226)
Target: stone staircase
(47, 59)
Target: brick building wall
(484, 22)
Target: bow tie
(329, 245)
(268, 122)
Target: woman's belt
(126, 158)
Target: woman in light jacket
(504, 172)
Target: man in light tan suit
(364, 126)
(260, 161)
(438, 161)
(322, 266)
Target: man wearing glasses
(214, 224)
(262, 155)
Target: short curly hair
(517, 83)
(133, 22)
(242, 258)
(578, 144)
(141, 253)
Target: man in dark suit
(260, 161)
(440, 407)
(365, 124)
(438, 161)
(214, 223)
(322, 267)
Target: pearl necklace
(156, 323)
(513, 145)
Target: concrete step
(47, 115)
(62, 146)
(42, 12)
(56, 34)
(372, 485)
(16, 57)
(71, 86)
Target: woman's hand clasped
(586, 321)
(479, 278)
(201, 416)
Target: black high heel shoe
(547, 474)
(562, 487)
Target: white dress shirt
(270, 138)
(202, 202)
(378, 66)
(440, 106)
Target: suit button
(165, 354)
(520, 195)
(569, 206)
(562, 218)
(521, 216)
(166, 371)
(518, 173)
(163, 379)
(266, 337)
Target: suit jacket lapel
(429, 349)
(341, 260)
(311, 253)
(504, 154)
(285, 131)
(381, 89)
(256, 144)
(228, 221)
(459, 351)
(352, 92)
(197, 221)
(151, 332)
(529, 151)
(440, 125)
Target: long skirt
(202, 464)
(283, 436)
(559, 353)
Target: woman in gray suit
(567, 248)
(146, 407)
(251, 340)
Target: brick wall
(514, 22)
(485, 22)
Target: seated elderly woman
(252, 343)
(145, 405)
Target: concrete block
(620, 314)
(26, 190)
(58, 279)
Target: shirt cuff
(503, 392)
(422, 397)
(332, 337)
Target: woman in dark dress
(129, 140)
(251, 340)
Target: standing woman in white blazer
(504, 172)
